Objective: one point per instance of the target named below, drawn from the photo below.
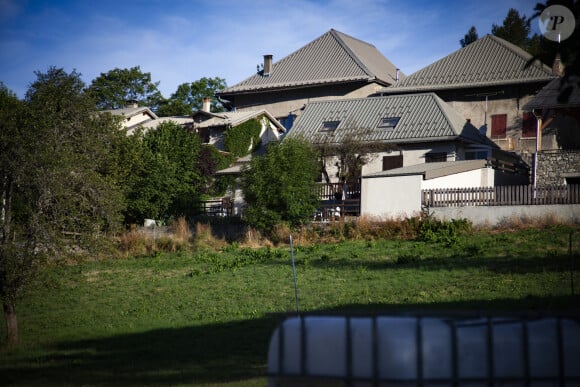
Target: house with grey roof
(334, 65)
(134, 117)
(212, 127)
(487, 82)
(405, 130)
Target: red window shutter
(529, 125)
(498, 125)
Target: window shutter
(498, 125)
(392, 162)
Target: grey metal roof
(547, 98)
(489, 61)
(423, 117)
(432, 170)
(331, 58)
(132, 111)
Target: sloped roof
(422, 117)
(331, 58)
(132, 111)
(236, 118)
(432, 170)
(489, 61)
(547, 98)
(179, 120)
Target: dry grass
(204, 238)
(524, 221)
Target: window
(435, 157)
(476, 155)
(529, 125)
(388, 122)
(329, 126)
(392, 162)
(287, 121)
(498, 126)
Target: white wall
(392, 196)
(397, 196)
(483, 177)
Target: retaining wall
(489, 216)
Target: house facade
(333, 66)
(487, 82)
(404, 130)
(556, 109)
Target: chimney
(267, 65)
(557, 66)
(397, 75)
(206, 107)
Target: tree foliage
(189, 97)
(516, 29)
(166, 177)
(56, 196)
(470, 37)
(279, 186)
(116, 88)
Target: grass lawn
(205, 318)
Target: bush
(447, 232)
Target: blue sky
(180, 41)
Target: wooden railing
(217, 207)
(501, 196)
(334, 191)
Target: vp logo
(557, 23)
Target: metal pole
(571, 263)
(294, 272)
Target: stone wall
(554, 164)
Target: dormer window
(329, 126)
(388, 122)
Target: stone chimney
(557, 66)
(267, 65)
(206, 107)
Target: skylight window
(388, 122)
(329, 126)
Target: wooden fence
(511, 195)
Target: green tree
(470, 37)
(166, 178)
(516, 29)
(116, 88)
(56, 198)
(189, 97)
(279, 186)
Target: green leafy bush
(447, 232)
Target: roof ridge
(337, 35)
(519, 52)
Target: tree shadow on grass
(216, 353)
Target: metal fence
(425, 351)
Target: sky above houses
(180, 41)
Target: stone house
(487, 82)
(556, 109)
(333, 66)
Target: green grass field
(205, 318)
